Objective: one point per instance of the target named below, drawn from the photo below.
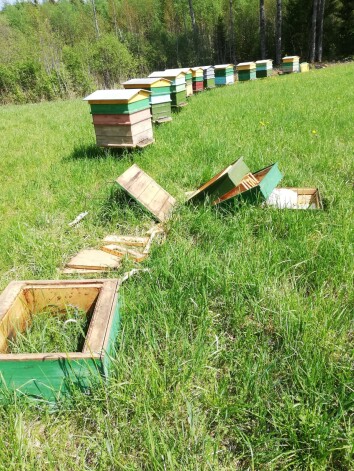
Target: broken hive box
(295, 198)
(254, 187)
(114, 121)
(222, 182)
(49, 375)
(149, 194)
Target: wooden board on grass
(143, 189)
(94, 260)
(121, 251)
(132, 241)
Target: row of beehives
(123, 118)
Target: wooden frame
(307, 198)
(50, 374)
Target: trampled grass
(236, 350)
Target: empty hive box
(295, 198)
(160, 98)
(224, 74)
(264, 68)
(246, 71)
(177, 87)
(290, 64)
(121, 118)
(197, 79)
(47, 374)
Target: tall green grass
(236, 350)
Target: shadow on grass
(95, 153)
(117, 204)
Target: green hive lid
(222, 182)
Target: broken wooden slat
(133, 241)
(147, 192)
(120, 251)
(94, 259)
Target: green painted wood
(178, 98)
(209, 83)
(221, 183)
(159, 90)
(50, 378)
(244, 75)
(112, 340)
(162, 110)
(198, 79)
(223, 72)
(263, 73)
(259, 193)
(121, 109)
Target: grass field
(236, 350)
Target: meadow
(236, 349)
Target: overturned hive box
(254, 187)
(45, 374)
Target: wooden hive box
(264, 68)
(254, 188)
(295, 198)
(304, 67)
(49, 375)
(222, 182)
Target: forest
(66, 48)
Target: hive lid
(223, 181)
(175, 72)
(223, 66)
(265, 61)
(246, 65)
(148, 81)
(117, 95)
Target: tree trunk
(232, 34)
(262, 29)
(313, 32)
(278, 33)
(194, 27)
(320, 18)
(95, 18)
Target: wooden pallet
(143, 189)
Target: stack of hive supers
(290, 64)
(208, 76)
(197, 79)
(246, 71)
(264, 68)
(224, 74)
(121, 118)
(160, 99)
(189, 80)
(178, 85)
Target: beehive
(121, 118)
(49, 375)
(290, 64)
(246, 71)
(177, 87)
(224, 74)
(160, 98)
(208, 76)
(197, 79)
(264, 68)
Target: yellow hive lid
(246, 65)
(149, 82)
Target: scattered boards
(143, 189)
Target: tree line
(66, 48)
